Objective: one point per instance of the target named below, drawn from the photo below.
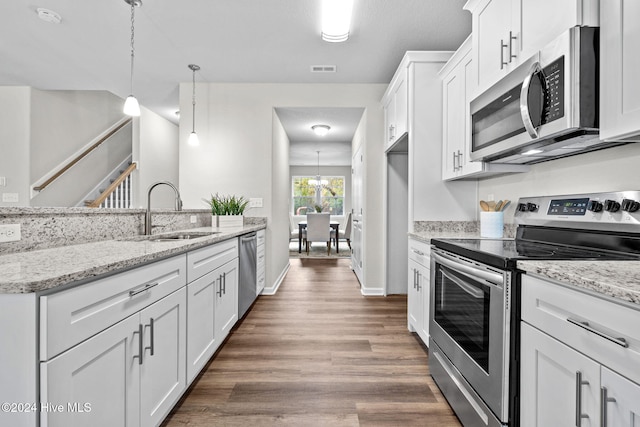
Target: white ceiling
(262, 41)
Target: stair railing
(83, 154)
(118, 194)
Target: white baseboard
(271, 290)
(369, 292)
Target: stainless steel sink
(174, 237)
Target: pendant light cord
(193, 128)
(132, 49)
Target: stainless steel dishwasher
(247, 278)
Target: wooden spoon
(505, 204)
(484, 206)
(492, 205)
(498, 206)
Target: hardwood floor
(318, 353)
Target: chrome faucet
(147, 219)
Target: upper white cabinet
(458, 89)
(507, 32)
(395, 109)
(619, 70)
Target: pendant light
(193, 137)
(336, 20)
(131, 106)
(318, 182)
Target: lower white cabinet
(579, 358)
(226, 307)
(418, 292)
(261, 262)
(131, 374)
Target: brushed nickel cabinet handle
(140, 344)
(142, 289)
(579, 383)
(151, 337)
(585, 325)
(604, 399)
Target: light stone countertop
(45, 269)
(617, 279)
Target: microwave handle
(524, 100)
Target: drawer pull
(417, 252)
(585, 325)
(143, 288)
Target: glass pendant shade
(193, 139)
(131, 106)
(336, 20)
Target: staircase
(118, 194)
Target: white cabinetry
(130, 374)
(458, 89)
(226, 309)
(418, 295)
(204, 296)
(395, 109)
(507, 32)
(579, 353)
(619, 70)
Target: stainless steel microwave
(544, 109)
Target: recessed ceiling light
(320, 130)
(48, 15)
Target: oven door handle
(493, 278)
(524, 100)
(474, 292)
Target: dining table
(303, 225)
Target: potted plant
(227, 211)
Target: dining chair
(293, 229)
(346, 233)
(318, 230)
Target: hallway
(318, 354)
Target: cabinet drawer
(555, 309)
(419, 252)
(202, 261)
(70, 317)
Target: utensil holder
(492, 224)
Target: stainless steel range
(475, 294)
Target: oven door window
(462, 310)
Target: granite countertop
(616, 279)
(45, 269)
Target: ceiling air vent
(323, 68)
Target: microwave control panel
(554, 93)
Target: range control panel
(607, 211)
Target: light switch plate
(10, 233)
(3, 181)
(193, 219)
(255, 202)
(10, 197)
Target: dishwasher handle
(248, 238)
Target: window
(307, 196)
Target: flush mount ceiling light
(336, 20)
(48, 15)
(193, 137)
(320, 130)
(131, 106)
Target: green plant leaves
(226, 205)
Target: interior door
(357, 183)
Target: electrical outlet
(255, 202)
(10, 197)
(10, 233)
(193, 219)
(490, 198)
(3, 181)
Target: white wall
(155, 148)
(15, 105)
(344, 171)
(236, 153)
(612, 169)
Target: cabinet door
(402, 107)
(414, 297)
(453, 131)
(226, 310)
(162, 373)
(492, 23)
(621, 400)
(201, 339)
(549, 390)
(389, 118)
(619, 70)
(102, 372)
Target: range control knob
(532, 207)
(630, 205)
(611, 206)
(594, 206)
(522, 207)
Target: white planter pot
(227, 221)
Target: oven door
(469, 321)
